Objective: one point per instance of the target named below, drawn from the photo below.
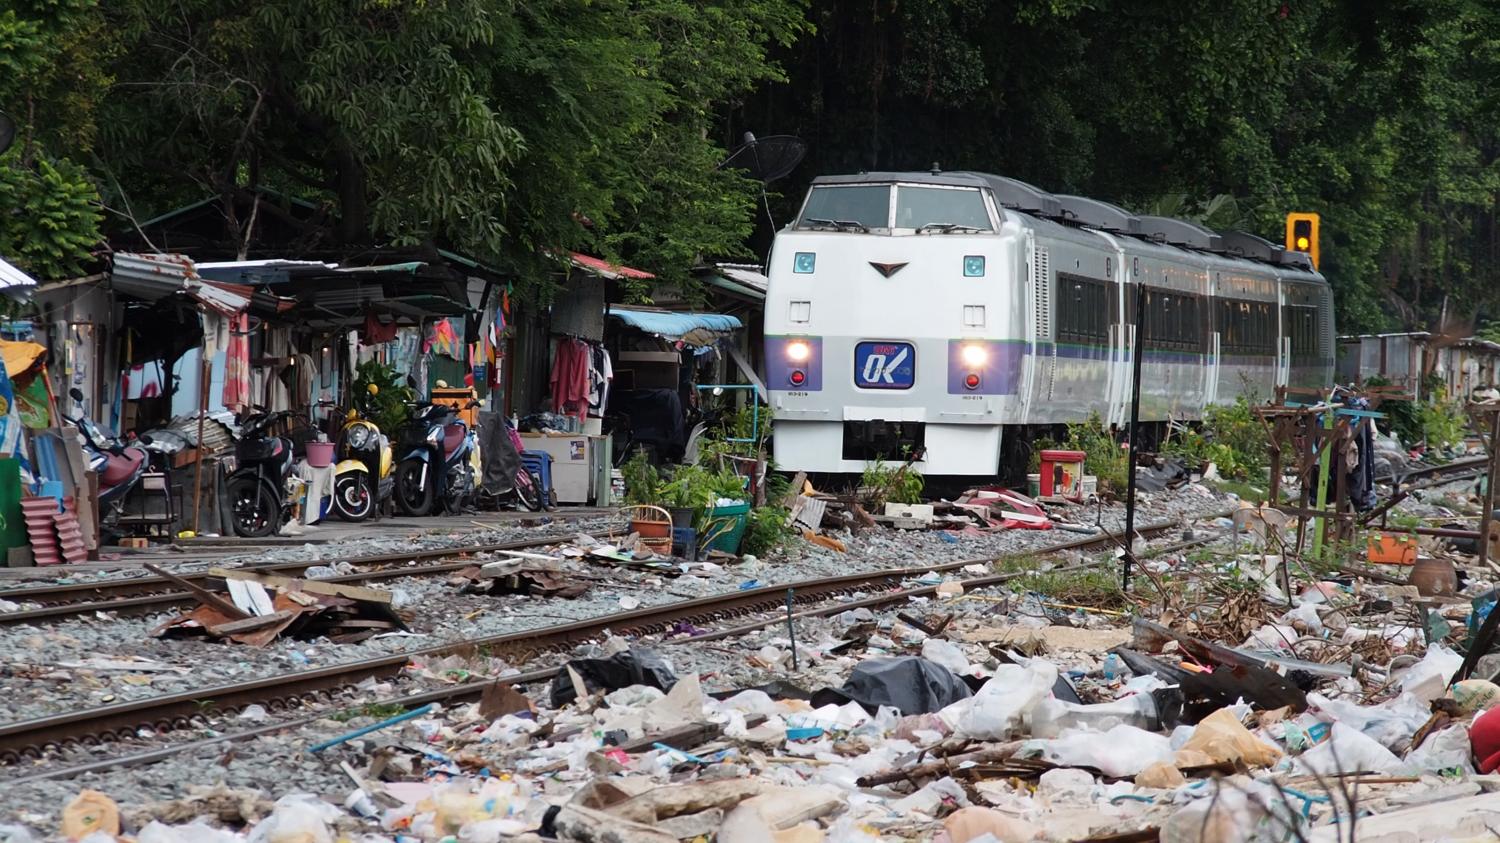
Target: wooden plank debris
(352, 592)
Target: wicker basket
(654, 526)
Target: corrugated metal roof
(748, 275)
(606, 269)
(156, 276)
(14, 282)
(692, 328)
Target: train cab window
(847, 207)
(940, 209)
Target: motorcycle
(259, 490)
(441, 462)
(363, 453)
(120, 465)
(506, 480)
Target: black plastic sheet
(910, 684)
(636, 666)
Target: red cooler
(1062, 475)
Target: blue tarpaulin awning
(691, 328)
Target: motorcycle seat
(453, 438)
(118, 469)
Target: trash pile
(257, 608)
(974, 719)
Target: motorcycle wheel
(413, 497)
(529, 491)
(254, 510)
(353, 500)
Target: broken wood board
(251, 624)
(352, 592)
(1055, 637)
(201, 594)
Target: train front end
(894, 326)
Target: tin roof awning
(746, 282)
(14, 282)
(692, 328)
(156, 276)
(605, 269)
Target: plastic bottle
(1112, 666)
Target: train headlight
(798, 351)
(973, 266)
(975, 356)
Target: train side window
(1083, 309)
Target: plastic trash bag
(909, 684)
(194, 832)
(1119, 753)
(297, 818)
(1011, 694)
(11, 833)
(1427, 680)
(1052, 716)
(1349, 750)
(1228, 816)
(947, 654)
(635, 666)
(1446, 750)
(1222, 737)
(1392, 723)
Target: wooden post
(205, 382)
(1489, 488)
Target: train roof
(1082, 212)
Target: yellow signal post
(1302, 234)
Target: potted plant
(729, 511)
(688, 494)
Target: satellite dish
(7, 131)
(767, 159)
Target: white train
(950, 313)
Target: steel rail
(137, 593)
(31, 738)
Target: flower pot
(682, 516)
(1434, 577)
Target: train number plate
(885, 365)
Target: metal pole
(791, 630)
(1138, 356)
(204, 382)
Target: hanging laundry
(443, 338)
(236, 394)
(601, 372)
(375, 331)
(144, 381)
(570, 377)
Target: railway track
(32, 739)
(140, 595)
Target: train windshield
(941, 209)
(858, 207)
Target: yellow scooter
(363, 478)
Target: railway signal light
(1302, 234)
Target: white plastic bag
(1428, 679)
(194, 832)
(1392, 723)
(1052, 715)
(1444, 751)
(947, 654)
(1349, 750)
(1011, 694)
(1120, 753)
(297, 818)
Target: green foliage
(881, 484)
(1231, 437)
(1443, 423)
(691, 487)
(1103, 456)
(513, 132)
(643, 482)
(51, 78)
(387, 408)
(766, 530)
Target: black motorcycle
(435, 450)
(258, 498)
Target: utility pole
(1138, 356)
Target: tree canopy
(517, 131)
